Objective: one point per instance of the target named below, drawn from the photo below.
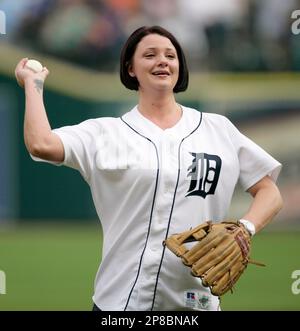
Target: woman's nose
(162, 61)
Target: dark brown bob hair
(128, 51)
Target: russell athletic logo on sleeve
(204, 174)
(197, 300)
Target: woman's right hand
(22, 73)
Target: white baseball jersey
(148, 183)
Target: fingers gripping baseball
(30, 69)
(219, 256)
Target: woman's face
(155, 64)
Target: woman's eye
(171, 56)
(149, 55)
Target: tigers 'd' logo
(204, 174)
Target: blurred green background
(52, 268)
(244, 61)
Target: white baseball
(34, 65)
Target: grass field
(53, 268)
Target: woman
(160, 169)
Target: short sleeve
(255, 163)
(79, 143)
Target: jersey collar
(153, 132)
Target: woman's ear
(130, 71)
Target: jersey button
(167, 189)
(153, 249)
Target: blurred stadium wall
(266, 107)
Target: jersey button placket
(160, 215)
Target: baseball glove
(220, 255)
